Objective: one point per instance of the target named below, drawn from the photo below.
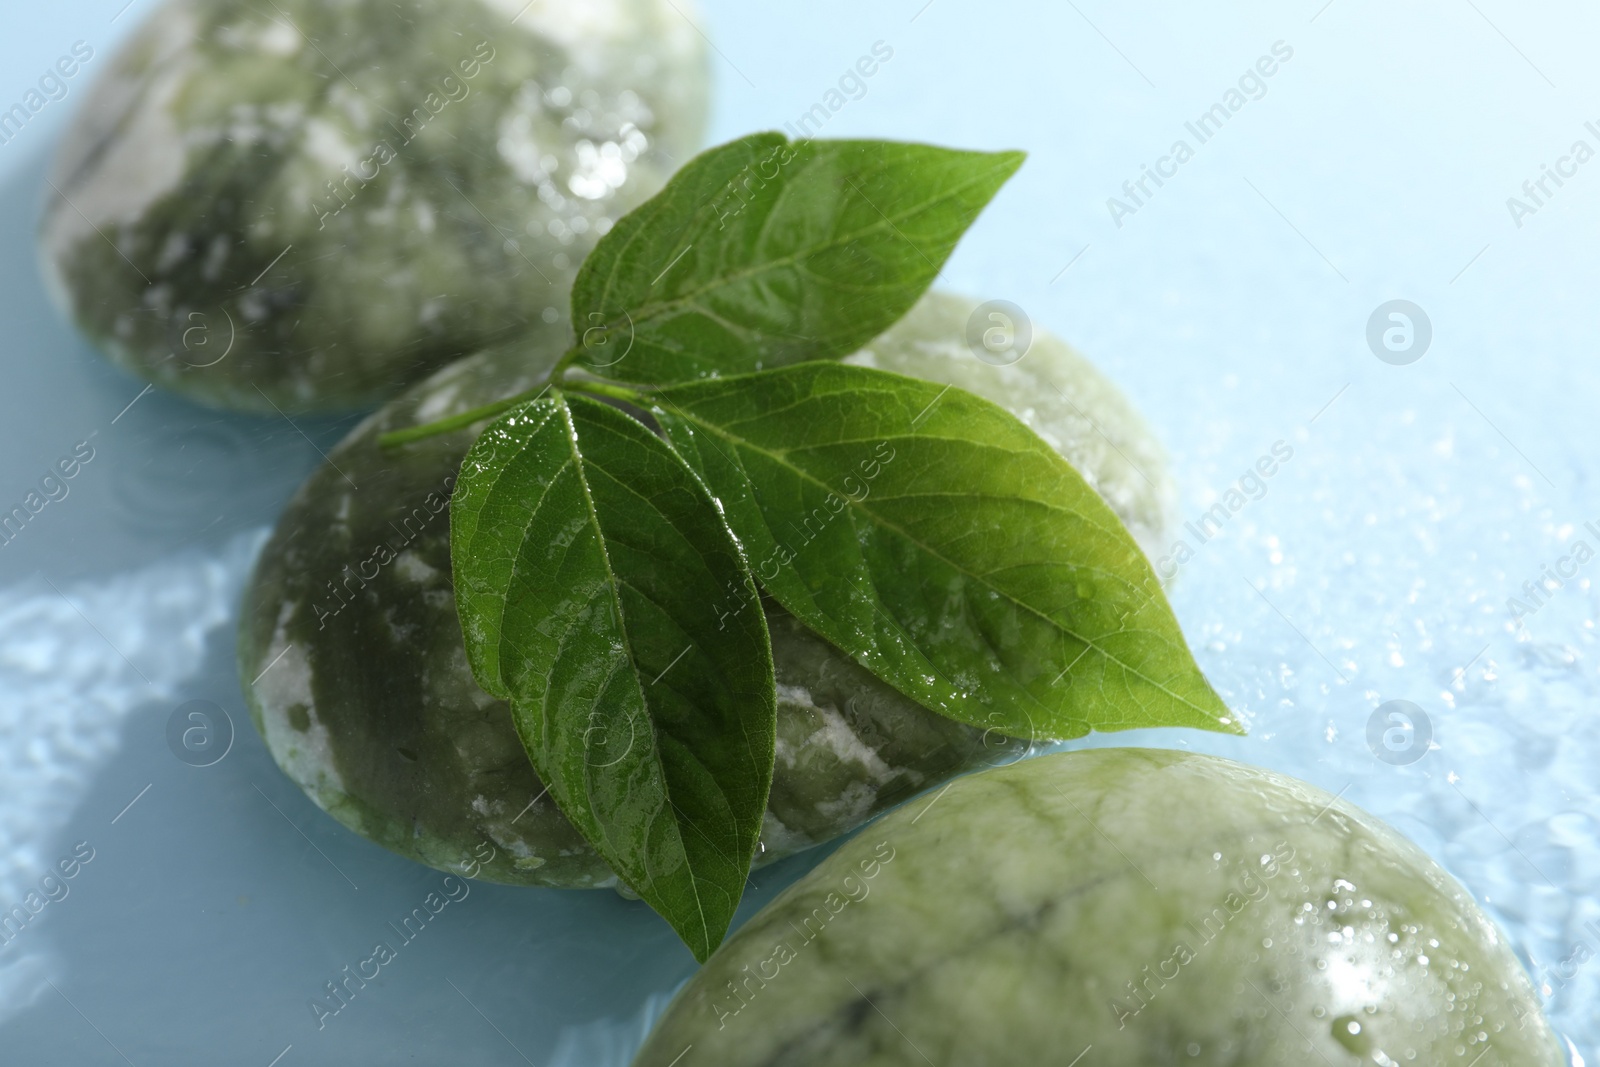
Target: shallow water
(1233, 305)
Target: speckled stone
(313, 203)
(366, 699)
(1134, 907)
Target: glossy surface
(311, 205)
(943, 545)
(370, 706)
(762, 253)
(1140, 906)
(601, 594)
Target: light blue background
(1232, 307)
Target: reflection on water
(75, 661)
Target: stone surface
(1134, 907)
(1059, 394)
(366, 699)
(312, 203)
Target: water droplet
(1347, 1030)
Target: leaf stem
(396, 438)
(616, 392)
(568, 357)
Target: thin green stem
(396, 438)
(568, 357)
(616, 392)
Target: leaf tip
(1008, 162)
(1224, 719)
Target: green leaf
(762, 253)
(943, 545)
(602, 594)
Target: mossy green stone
(314, 203)
(1132, 907)
(366, 700)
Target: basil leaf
(943, 545)
(763, 253)
(602, 594)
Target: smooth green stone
(420, 214)
(1134, 907)
(371, 707)
(1054, 390)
